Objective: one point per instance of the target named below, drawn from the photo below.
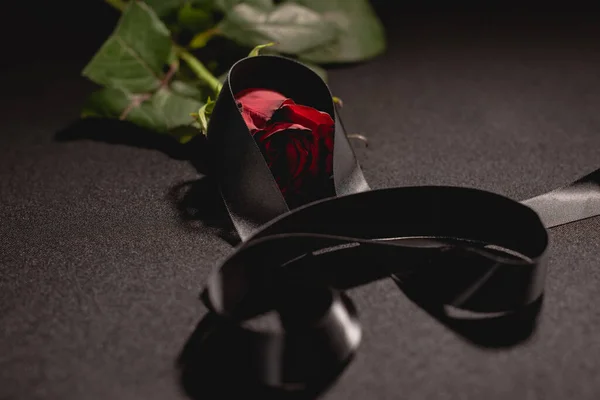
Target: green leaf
(294, 27)
(187, 89)
(361, 35)
(204, 114)
(107, 102)
(161, 112)
(184, 133)
(173, 56)
(133, 57)
(226, 5)
(130, 66)
(255, 51)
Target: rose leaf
(130, 67)
(361, 34)
(204, 114)
(294, 27)
(132, 58)
(187, 89)
(163, 111)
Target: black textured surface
(100, 275)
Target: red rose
(296, 142)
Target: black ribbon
(246, 183)
(467, 248)
(574, 202)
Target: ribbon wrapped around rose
(245, 156)
(298, 198)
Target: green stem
(200, 70)
(118, 4)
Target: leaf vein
(137, 57)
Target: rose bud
(296, 142)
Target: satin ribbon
(476, 250)
(574, 202)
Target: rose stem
(199, 69)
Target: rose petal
(297, 156)
(303, 115)
(258, 105)
(322, 127)
(297, 144)
(249, 122)
(326, 133)
(290, 151)
(277, 127)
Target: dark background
(100, 270)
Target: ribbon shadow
(210, 368)
(200, 206)
(484, 330)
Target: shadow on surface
(200, 202)
(489, 331)
(210, 368)
(113, 131)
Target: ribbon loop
(297, 264)
(467, 248)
